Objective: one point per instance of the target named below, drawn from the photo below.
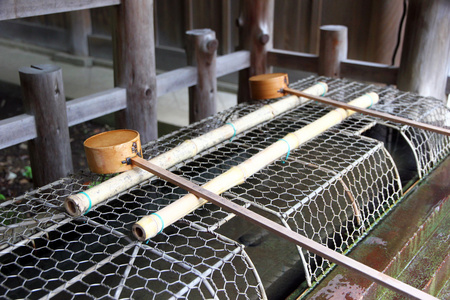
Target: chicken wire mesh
(331, 189)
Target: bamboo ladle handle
(268, 86)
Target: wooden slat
(22, 128)
(354, 69)
(17, 130)
(232, 62)
(185, 77)
(175, 80)
(367, 71)
(14, 9)
(293, 60)
(96, 105)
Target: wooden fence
(138, 86)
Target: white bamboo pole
(151, 225)
(81, 203)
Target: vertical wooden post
(43, 97)
(256, 35)
(80, 28)
(201, 51)
(316, 20)
(385, 16)
(332, 50)
(134, 66)
(426, 48)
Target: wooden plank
(175, 80)
(44, 98)
(316, 21)
(426, 49)
(283, 232)
(227, 41)
(14, 9)
(96, 105)
(22, 128)
(367, 71)
(293, 60)
(233, 62)
(37, 34)
(17, 130)
(185, 77)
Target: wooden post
(316, 20)
(332, 50)
(384, 16)
(201, 51)
(43, 97)
(134, 66)
(80, 28)
(426, 48)
(255, 34)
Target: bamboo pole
(149, 226)
(81, 203)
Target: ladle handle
(370, 112)
(282, 231)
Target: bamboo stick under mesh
(81, 203)
(149, 226)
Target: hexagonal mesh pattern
(331, 189)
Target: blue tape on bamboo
(371, 100)
(234, 128)
(324, 88)
(289, 149)
(90, 202)
(162, 221)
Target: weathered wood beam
(44, 98)
(185, 77)
(256, 35)
(426, 48)
(22, 128)
(367, 71)
(17, 130)
(293, 60)
(96, 105)
(15, 9)
(134, 66)
(201, 52)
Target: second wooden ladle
(275, 85)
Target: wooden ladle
(275, 85)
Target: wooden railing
(138, 86)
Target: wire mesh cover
(331, 189)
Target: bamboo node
(193, 143)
